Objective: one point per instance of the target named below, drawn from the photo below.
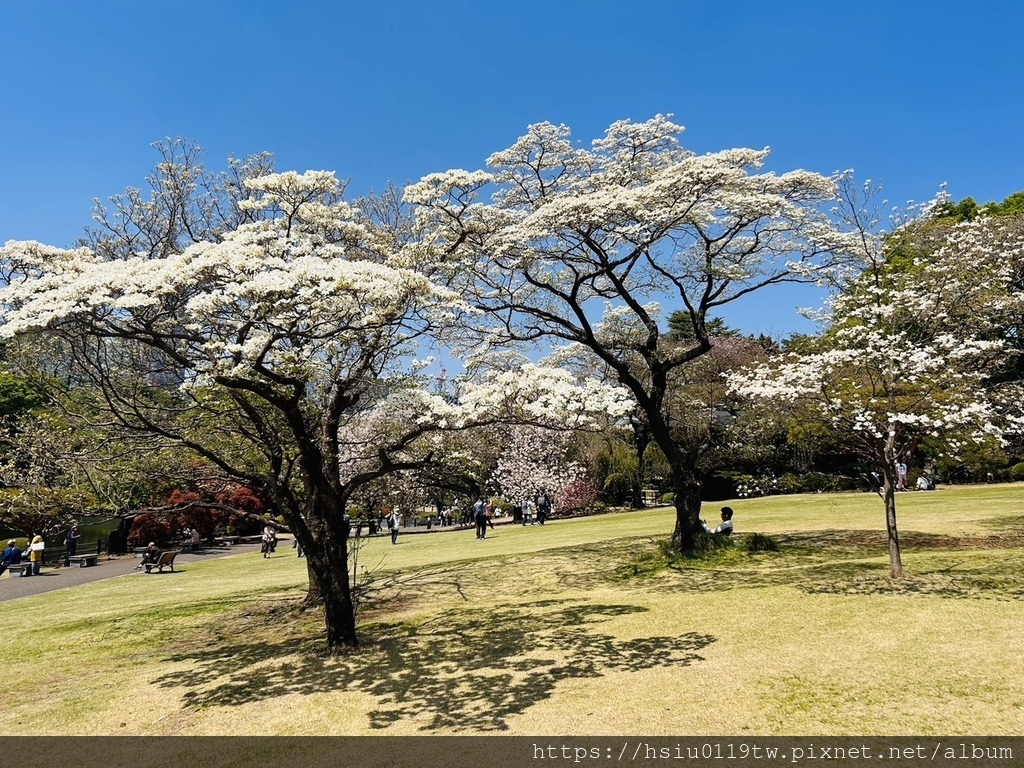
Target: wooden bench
(23, 568)
(166, 561)
(84, 560)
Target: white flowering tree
(628, 224)
(277, 349)
(532, 461)
(909, 353)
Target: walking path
(50, 579)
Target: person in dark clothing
(11, 556)
(150, 556)
(71, 545)
(480, 517)
(543, 507)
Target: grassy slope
(580, 627)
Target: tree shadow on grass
(840, 562)
(1011, 525)
(462, 670)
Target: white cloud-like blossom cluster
(909, 353)
(288, 295)
(298, 298)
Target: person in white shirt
(901, 476)
(725, 527)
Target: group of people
(925, 481)
(483, 511)
(528, 511)
(535, 510)
(192, 537)
(12, 555)
(446, 517)
(480, 514)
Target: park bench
(83, 560)
(166, 561)
(23, 568)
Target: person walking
(392, 520)
(269, 541)
(543, 507)
(527, 511)
(480, 517)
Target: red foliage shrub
(149, 527)
(198, 508)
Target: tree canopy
(631, 223)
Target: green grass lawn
(580, 627)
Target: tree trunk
(641, 439)
(324, 540)
(313, 597)
(636, 495)
(889, 497)
(339, 612)
(687, 502)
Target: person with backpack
(543, 507)
(392, 521)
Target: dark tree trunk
(636, 495)
(324, 540)
(313, 597)
(687, 502)
(641, 439)
(889, 497)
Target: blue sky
(910, 93)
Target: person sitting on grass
(150, 557)
(725, 527)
